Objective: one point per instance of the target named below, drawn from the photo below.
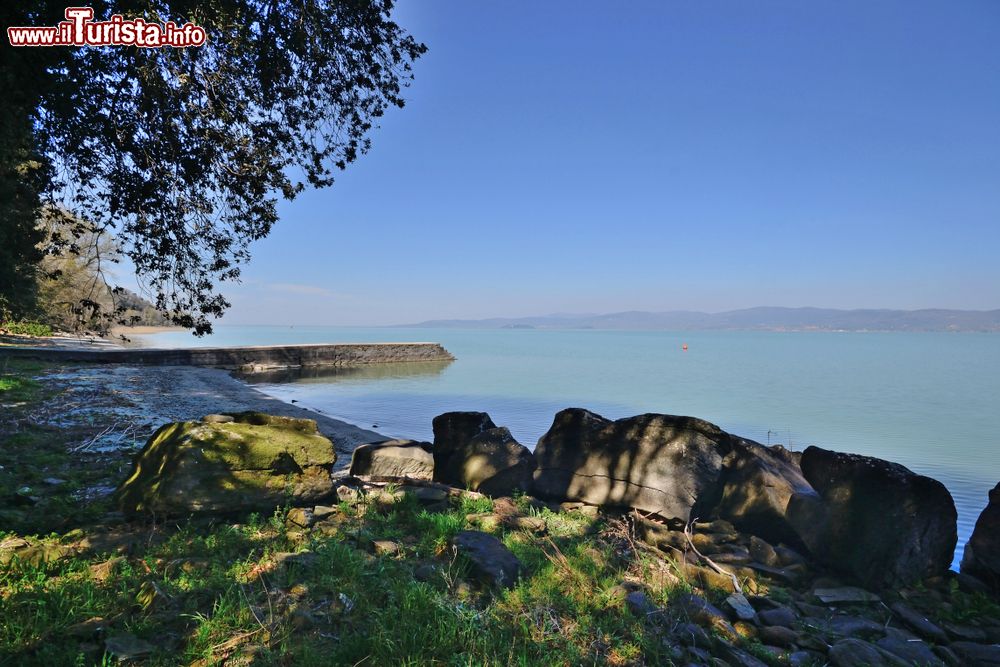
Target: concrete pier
(247, 359)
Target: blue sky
(594, 157)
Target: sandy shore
(83, 341)
(128, 332)
(130, 402)
(86, 340)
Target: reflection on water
(364, 373)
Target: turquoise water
(929, 401)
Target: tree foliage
(24, 175)
(74, 286)
(182, 154)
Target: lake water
(930, 401)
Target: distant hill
(761, 318)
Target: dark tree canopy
(23, 176)
(183, 153)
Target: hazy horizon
(596, 314)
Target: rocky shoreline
(727, 552)
(872, 521)
(141, 399)
(851, 541)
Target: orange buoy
(684, 347)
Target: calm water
(929, 401)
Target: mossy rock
(256, 462)
(33, 552)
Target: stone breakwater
(247, 359)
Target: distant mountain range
(762, 319)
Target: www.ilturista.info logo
(79, 29)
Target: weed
(965, 606)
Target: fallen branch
(130, 430)
(90, 443)
(711, 563)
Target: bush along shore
(651, 540)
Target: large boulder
(471, 451)
(757, 484)
(677, 467)
(394, 458)
(875, 520)
(982, 552)
(452, 431)
(254, 462)
(492, 462)
(491, 561)
(657, 463)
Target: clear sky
(596, 156)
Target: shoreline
(133, 391)
(142, 330)
(140, 399)
(344, 435)
(775, 599)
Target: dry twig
(736, 582)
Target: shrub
(26, 328)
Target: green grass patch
(964, 607)
(18, 388)
(26, 329)
(204, 593)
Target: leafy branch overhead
(182, 154)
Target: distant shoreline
(750, 319)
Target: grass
(16, 388)
(963, 607)
(16, 374)
(204, 592)
(40, 485)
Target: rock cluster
(818, 618)
(875, 522)
(772, 556)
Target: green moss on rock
(255, 462)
